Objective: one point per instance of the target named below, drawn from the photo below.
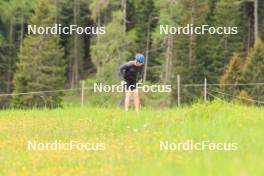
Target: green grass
(132, 141)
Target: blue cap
(140, 58)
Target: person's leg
(136, 99)
(127, 100)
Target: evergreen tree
(232, 75)
(40, 65)
(261, 21)
(6, 69)
(13, 16)
(253, 71)
(142, 21)
(131, 26)
(77, 47)
(163, 58)
(188, 64)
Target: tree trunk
(124, 6)
(123, 48)
(256, 19)
(56, 11)
(248, 37)
(147, 53)
(75, 66)
(191, 38)
(168, 63)
(9, 69)
(98, 66)
(22, 29)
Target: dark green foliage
(141, 15)
(7, 67)
(261, 19)
(81, 60)
(56, 62)
(41, 66)
(13, 15)
(253, 71)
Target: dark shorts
(131, 85)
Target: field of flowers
(132, 141)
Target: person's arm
(140, 75)
(122, 70)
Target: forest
(31, 63)
(61, 90)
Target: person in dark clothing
(131, 73)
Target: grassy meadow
(132, 141)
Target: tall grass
(133, 141)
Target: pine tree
(162, 59)
(261, 17)
(232, 75)
(253, 71)
(6, 70)
(41, 66)
(188, 63)
(143, 17)
(13, 15)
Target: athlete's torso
(130, 71)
